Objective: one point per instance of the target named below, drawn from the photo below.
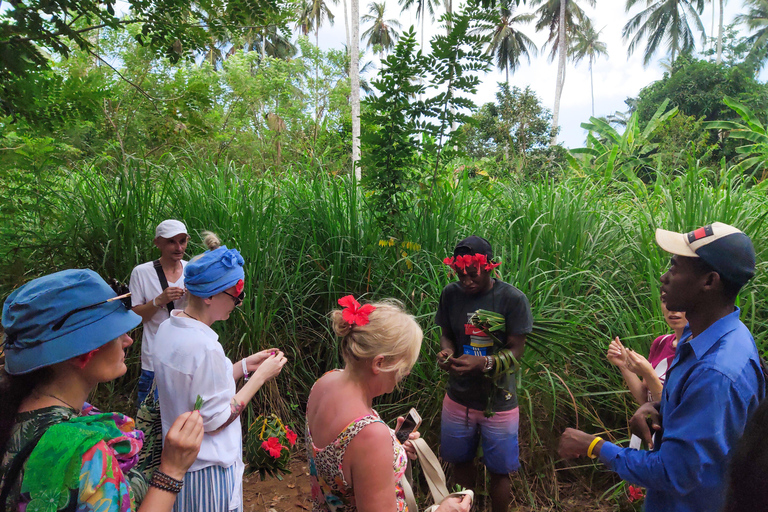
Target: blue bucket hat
(213, 272)
(32, 311)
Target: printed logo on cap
(700, 233)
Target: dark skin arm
(444, 357)
(475, 364)
(575, 443)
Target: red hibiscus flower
(291, 435)
(448, 261)
(239, 286)
(480, 260)
(353, 313)
(273, 447)
(635, 493)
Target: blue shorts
(145, 383)
(461, 429)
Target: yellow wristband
(592, 447)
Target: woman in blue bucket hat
(190, 363)
(65, 333)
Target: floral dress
(330, 492)
(81, 463)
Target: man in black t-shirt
(467, 357)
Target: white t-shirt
(144, 287)
(191, 362)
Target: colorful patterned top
(330, 491)
(84, 463)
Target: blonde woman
(355, 460)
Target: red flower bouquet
(268, 447)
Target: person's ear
(712, 281)
(377, 364)
(157, 242)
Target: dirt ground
(291, 494)
(273, 495)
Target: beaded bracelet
(165, 482)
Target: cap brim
(73, 344)
(172, 234)
(674, 243)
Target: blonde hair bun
(210, 240)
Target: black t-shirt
(453, 313)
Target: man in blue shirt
(713, 385)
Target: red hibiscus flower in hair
(448, 261)
(273, 447)
(353, 313)
(239, 286)
(635, 493)
(480, 260)
(291, 435)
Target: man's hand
(444, 359)
(575, 443)
(170, 294)
(645, 422)
(468, 364)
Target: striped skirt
(208, 490)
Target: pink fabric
(662, 350)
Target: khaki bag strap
(435, 476)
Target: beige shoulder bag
(433, 472)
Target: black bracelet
(165, 482)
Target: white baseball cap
(170, 228)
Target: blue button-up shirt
(713, 386)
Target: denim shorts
(462, 428)
(145, 383)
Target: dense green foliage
(582, 249)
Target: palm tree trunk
(346, 22)
(560, 71)
(592, 86)
(354, 79)
(317, 78)
(506, 70)
(720, 36)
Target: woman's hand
(271, 366)
(182, 444)
(457, 504)
(410, 450)
(254, 360)
(617, 353)
(637, 364)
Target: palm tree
(506, 43)
(311, 16)
(587, 44)
(756, 20)
(354, 85)
(562, 18)
(664, 20)
(382, 32)
(268, 41)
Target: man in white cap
(157, 288)
(713, 386)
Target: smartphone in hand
(411, 423)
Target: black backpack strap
(163, 284)
(14, 470)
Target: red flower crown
(353, 313)
(463, 261)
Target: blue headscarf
(213, 272)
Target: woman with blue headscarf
(190, 362)
(65, 333)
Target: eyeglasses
(125, 299)
(237, 298)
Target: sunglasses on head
(237, 298)
(124, 299)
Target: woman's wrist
(171, 471)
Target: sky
(616, 77)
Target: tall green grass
(582, 251)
